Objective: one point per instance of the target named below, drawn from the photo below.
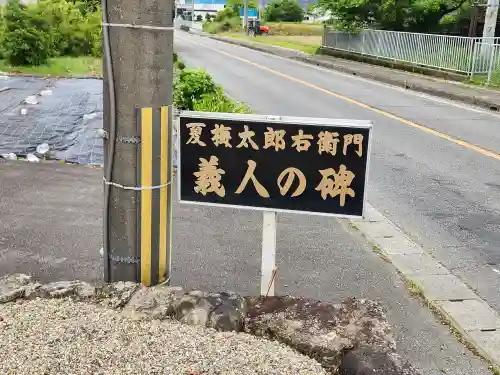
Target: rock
(9, 156)
(32, 158)
(79, 290)
(351, 338)
(365, 360)
(157, 302)
(228, 312)
(31, 100)
(13, 287)
(43, 148)
(321, 330)
(117, 295)
(223, 312)
(226, 318)
(17, 286)
(193, 309)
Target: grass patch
(291, 28)
(307, 44)
(481, 80)
(60, 67)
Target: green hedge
(225, 20)
(31, 34)
(195, 90)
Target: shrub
(27, 38)
(225, 20)
(284, 11)
(72, 33)
(229, 24)
(190, 86)
(181, 65)
(218, 102)
(195, 90)
(93, 32)
(225, 14)
(88, 6)
(2, 32)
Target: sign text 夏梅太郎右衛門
(274, 163)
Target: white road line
(467, 107)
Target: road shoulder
(445, 293)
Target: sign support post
(268, 266)
(274, 164)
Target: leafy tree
(399, 15)
(311, 7)
(2, 31)
(27, 38)
(456, 22)
(74, 32)
(88, 6)
(284, 11)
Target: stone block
(488, 343)
(399, 244)
(443, 287)
(417, 264)
(471, 315)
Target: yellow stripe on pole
(146, 195)
(164, 192)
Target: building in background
(184, 8)
(200, 8)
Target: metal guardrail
(453, 53)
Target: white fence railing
(486, 60)
(458, 54)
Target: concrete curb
(47, 76)
(309, 59)
(470, 315)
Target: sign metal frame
(324, 122)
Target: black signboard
(290, 164)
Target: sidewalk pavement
(475, 95)
(50, 227)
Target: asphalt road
(435, 168)
(50, 228)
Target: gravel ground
(50, 337)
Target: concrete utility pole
(490, 20)
(137, 117)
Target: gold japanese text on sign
(326, 142)
(334, 183)
(268, 164)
